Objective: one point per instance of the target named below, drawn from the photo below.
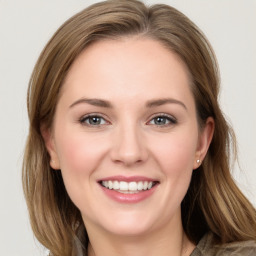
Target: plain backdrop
(26, 26)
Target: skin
(127, 140)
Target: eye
(162, 120)
(93, 120)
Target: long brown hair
(213, 201)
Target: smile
(128, 187)
(133, 189)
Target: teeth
(127, 187)
(123, 185)
(110, 184)
(132, 186)
(150, 184)
(140, 185)
(116, 185)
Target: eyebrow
(107, 104)
(160, 102)
(94, 102)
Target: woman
(128, 151)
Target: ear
(51, 148)
(204, 141)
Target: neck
(170, 240)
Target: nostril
(128, 148)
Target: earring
(198, 161)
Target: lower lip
(129, 198)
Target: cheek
(79, 155)
(79, 152)
(175, 156)
(175, 152)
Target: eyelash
(85, 120)
(169, 118)
(89, 117)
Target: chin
(129, 230)
(129, 224)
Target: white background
(26, 26)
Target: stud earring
(198, 161)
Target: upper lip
(127, 179)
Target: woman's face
(125, 136)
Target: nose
(129, 147)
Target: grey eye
(162, 120)
(93, 120)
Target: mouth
(125, 187)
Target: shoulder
(206, 247)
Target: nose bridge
(129, 144)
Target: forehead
(127, 67)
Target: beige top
(206, 248)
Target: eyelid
(171, 118)
(84, 117)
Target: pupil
(94, 120)
(160, 120)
